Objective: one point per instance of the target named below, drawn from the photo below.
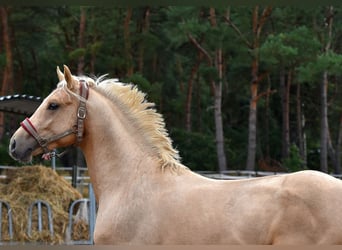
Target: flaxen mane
(143, 115)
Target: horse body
(146, 196)
(193, 210)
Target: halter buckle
(81, 112)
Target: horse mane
(143, 115)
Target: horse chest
(119, 222)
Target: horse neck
(114, 150)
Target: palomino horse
(146, 196)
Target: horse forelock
(141, 114)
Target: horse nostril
(13, 145)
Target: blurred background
(248, 88)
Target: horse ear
(60, 74)
(68, 78)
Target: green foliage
(209, 73)
(95, 47)
(139, 80)
(6, 160)
(294, 162)
(153, 91)
(193, 146)
(312, 71)
(75, 54)
(294, 38)
(290, 48)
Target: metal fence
(40, 206)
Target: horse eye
(53, 106)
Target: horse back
(297, 208)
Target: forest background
(255, 87)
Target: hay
(28, 184)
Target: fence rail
(82, 178)
(243, 174)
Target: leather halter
(78, 129)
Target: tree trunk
(8, 76)
(188, 101)
(287, 112)
(8, 79)
(257, 24)
(285, 96)
(144, 29)
(338, 148)
(324, 125)
(219, 134)
(221, 155)
(217, 90)
(81, 41)
(267, 119)
(252, 120)
(92, 62)
(127, 41)
(331, 150)
(198, 90)
(300, 126)
(324, 102)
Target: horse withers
(146, 196)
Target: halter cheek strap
(82, 110)
(30, 129)
(78, 129)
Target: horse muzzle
(22, 147)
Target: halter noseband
(77, 129)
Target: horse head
(57, 122)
